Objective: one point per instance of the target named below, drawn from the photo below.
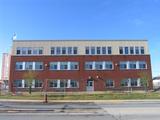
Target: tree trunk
(30, 89)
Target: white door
(90, 85)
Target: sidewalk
(80, 101)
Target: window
(134, 82)
(63, 65)
(18, 51)
(63, 83)
(131, 50)
(26, 83)
(89, 65)
(93, 50)
(137, 50)
(108, 65)
(53, 65)
(29, 51)
(120, 50)
(63, 50)
(142, 65)
(99, 65)
(53, 83)
(123, 65)
(19, 65)
(126, 50)
(125, 83)
(109, 83)
(58, 50)
(74, 65)
(38, 83)
(75, 50)
(69, 50)
(38, 65)
(87, 50)
(18, 83)
(52, 50)
(109, 50)
(24, 51)
(98, 50)
(73, 84)
(104, 50)
(142, 50)
(40, 51)
(29, 66)
(132, 65)
(35, 51)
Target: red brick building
(80, 65)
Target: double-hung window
(29, 66)
(142, 50)
(53, 83)
(38, 83)
(98, 50)
(126, 50)
(131, 50)
(63, 65)
(120, 50)
(53, 65)
(58, 50)
(64, 50)
(24, 51)
(52, 50)
(134, 82)
(63, 83)
(92, 50)
(99, 65)
(103, 50)
(123, 65)
(137, 50)
(109, 50)
(108, 65)
(142, 65)
(75, 50)
(18, 83)
(74, 65)
(19, 65)
(109, 83)
(29, 51)
(87, 51)
(18, 51)
(73, 84)
(132, 65)
(38, 65)
(89, 65)
(125, 83)
(69, 50)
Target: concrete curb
(79, 101)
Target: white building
(156, 82)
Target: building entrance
(90, 85)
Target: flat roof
(81, 40)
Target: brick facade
(82, 75)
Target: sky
(82, 19)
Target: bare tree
(144, 78)
(29, 76)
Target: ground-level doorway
(90, 85)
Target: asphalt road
(80, 111)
